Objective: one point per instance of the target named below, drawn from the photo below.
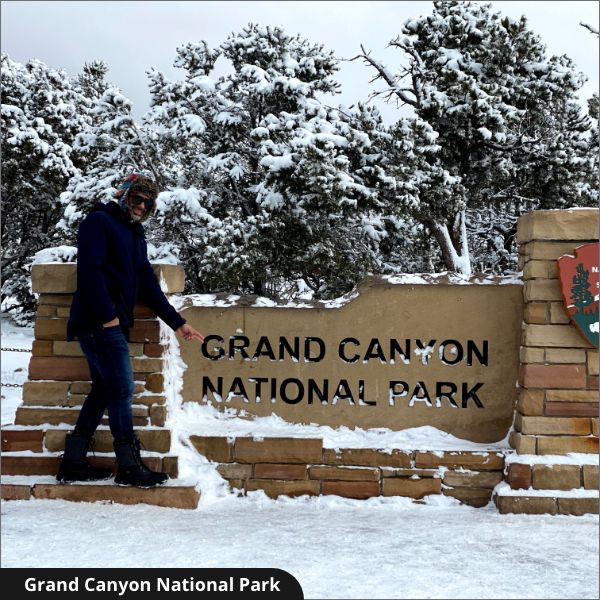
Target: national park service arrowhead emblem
(579, 284)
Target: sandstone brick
(41, 348)
(275, 471)
(276, 487)
(523, 444)
(561, 225)
(412, 473)
(519, 476)
(537, 250)
(590, 477)
(472, 496)
(531, 355)
(540, 269)
(173, 276)
(486, 461)
(592, 362)
(140, 387)
(236, 471)
(595, 427)
(552, 376)
(554, 336)
(50, 329)
(344, 473)
(413, 488)
(36, 392)
(63, 311)
(30, 465)
(147, 365)
(9, 491)
(552, 425)
(62, 369)
(56, 299)
(18, 440)
(556, 477)
(536, 312)
(153, 350)
(578, 506)
(237, 485)
(571, 396)
(39, 416)
(558, 313)
(217, 449)
(351, 489)
(528, 505)
(81, 387)
(145, 331)
(153, 440)
(592, 383)
(158, 415)
(542, 290)
(531, 402)
(155, 383)
(149, 399)
(45, 310)
(280, 450)
(571, 409)
(566, 444)
(472, 479)
(61, 348)
(136, 349)
(170, 465)
(565, 356)
(76, 399)
(522, 260)
(366, 457)
(169, 496)
(54, 278)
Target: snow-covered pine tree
(114, 145)
(40, 120)
(510, 127)
(263, 192)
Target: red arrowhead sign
(579, 283)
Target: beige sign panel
(395, 356)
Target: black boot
(74, 466)
(131, 470)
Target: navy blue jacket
(113, 273)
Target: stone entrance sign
(395, 356)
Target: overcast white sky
(134, 36)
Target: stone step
(171, 495)
(42, 415)
(16, 439)
(554, 502)
(552, 505)
(48, 464)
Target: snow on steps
(171, 495)
(545, 484)
(31, 455)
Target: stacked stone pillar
(556, 417)
(59, 382)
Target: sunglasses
(137, 200)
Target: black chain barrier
(15, 385)
(16, 349)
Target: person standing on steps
(113, 273)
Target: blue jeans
(107, 353)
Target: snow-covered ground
(379, 548)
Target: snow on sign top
(224, 300)
(579, 286)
